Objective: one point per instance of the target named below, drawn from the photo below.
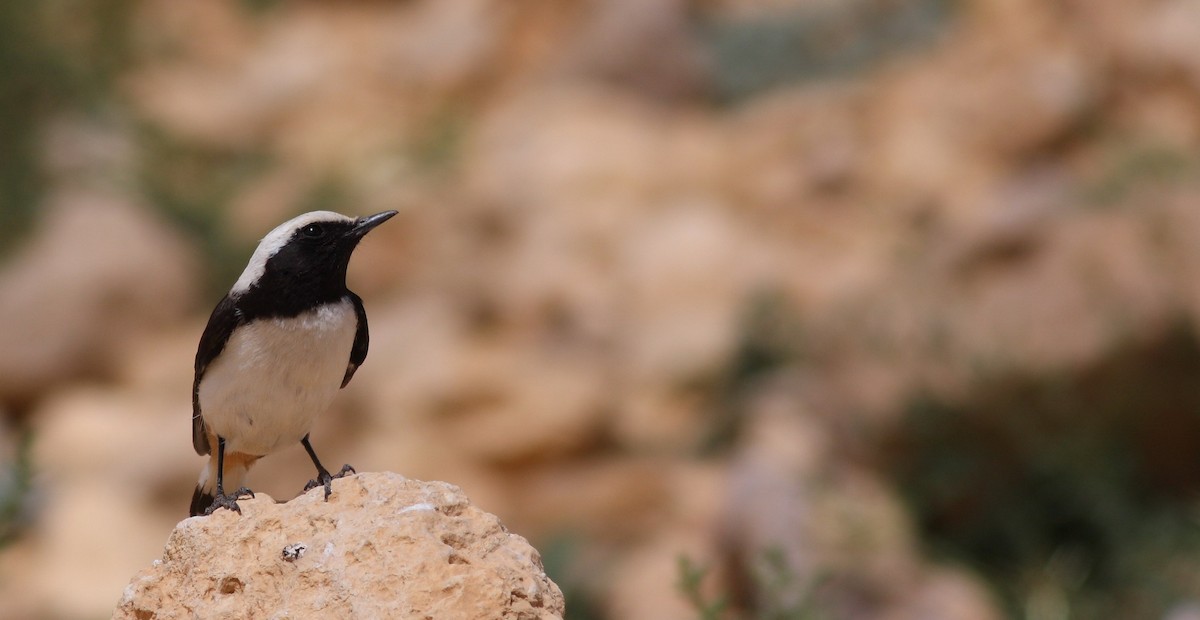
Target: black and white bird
(276, 350)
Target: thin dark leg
(323, 476)
(221, 466)
(222, 500)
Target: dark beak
(363, 225)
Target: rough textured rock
(383, 546)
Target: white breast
(275, 376)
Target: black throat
(279, 300)
(301, 276)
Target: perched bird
(276, 350)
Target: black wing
(225, 317)
(361, 340)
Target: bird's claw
(326, 479)
(229, 501)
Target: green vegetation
(1073, 493)
(777, 592)
(1131, 168)
(770, 340)
(561, 559)
(16, 480)
(818, 41)
(56, 57)
(691, 580)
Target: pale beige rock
(113, 475)
(97, 272)
(556, 400)
(383, 546)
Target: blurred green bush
(1076, 492)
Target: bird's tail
(237, 465)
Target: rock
(999, 90)
(111, 461)
(326, 87)
(1167, 41)
(98, 272)
(793, 147)
(557, 400)
(648, 46)
(686, 274)
(383, 546)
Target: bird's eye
(313, 231)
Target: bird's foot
(229, 501)
(326, 479)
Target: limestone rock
(383, 546)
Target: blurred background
(737, 309)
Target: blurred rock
(645, 279)
(591, 158)
(1167, 40)
(382, 546)
(1186, 610)
(637, 592)
(266, 201)
(329, 89)
(1005, 86)
(113, 472)
(427, 380)
(443, 46)
(649, 46)
(556, 402)
(685, 275)
(91, 436)
(680, 526)
(794, 147)
(806, 529)
(98, 273)
(946, 594)
(623, 499)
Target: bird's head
(308, 252)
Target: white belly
(275, 376)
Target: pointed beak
(363, 225)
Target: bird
(277, 348)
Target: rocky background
(733, 308)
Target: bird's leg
(324, 478)
(222, 500)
